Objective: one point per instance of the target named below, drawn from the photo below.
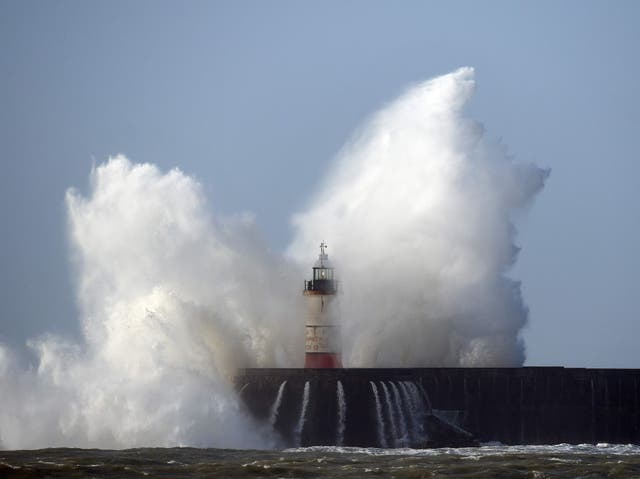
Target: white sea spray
(173, 298)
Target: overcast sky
(255, 98)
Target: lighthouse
(322, 342)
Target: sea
(487, 461)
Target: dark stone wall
(531, 405)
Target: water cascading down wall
(436, 407)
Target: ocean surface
(489, 461)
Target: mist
(417, 210)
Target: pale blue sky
(255, 98)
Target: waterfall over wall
(437, 407)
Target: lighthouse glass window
(323, 273)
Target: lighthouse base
(322, 360)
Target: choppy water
(491, 461)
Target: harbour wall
(434, 407)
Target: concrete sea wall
(430, 407)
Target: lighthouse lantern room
(322, 343)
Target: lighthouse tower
(322, 332)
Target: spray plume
(418, 213)
(172, 302)
(173, 299)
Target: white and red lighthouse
(322, 344)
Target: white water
(417, 212)
(173, 298)
(403, 439)
(488, 450)
(422, 394)
(303, 413)
(382, 440)
(416, 413)
(342, 414)
(275, 408)
(390, 414)
(172, 301)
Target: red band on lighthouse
(322, 360)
